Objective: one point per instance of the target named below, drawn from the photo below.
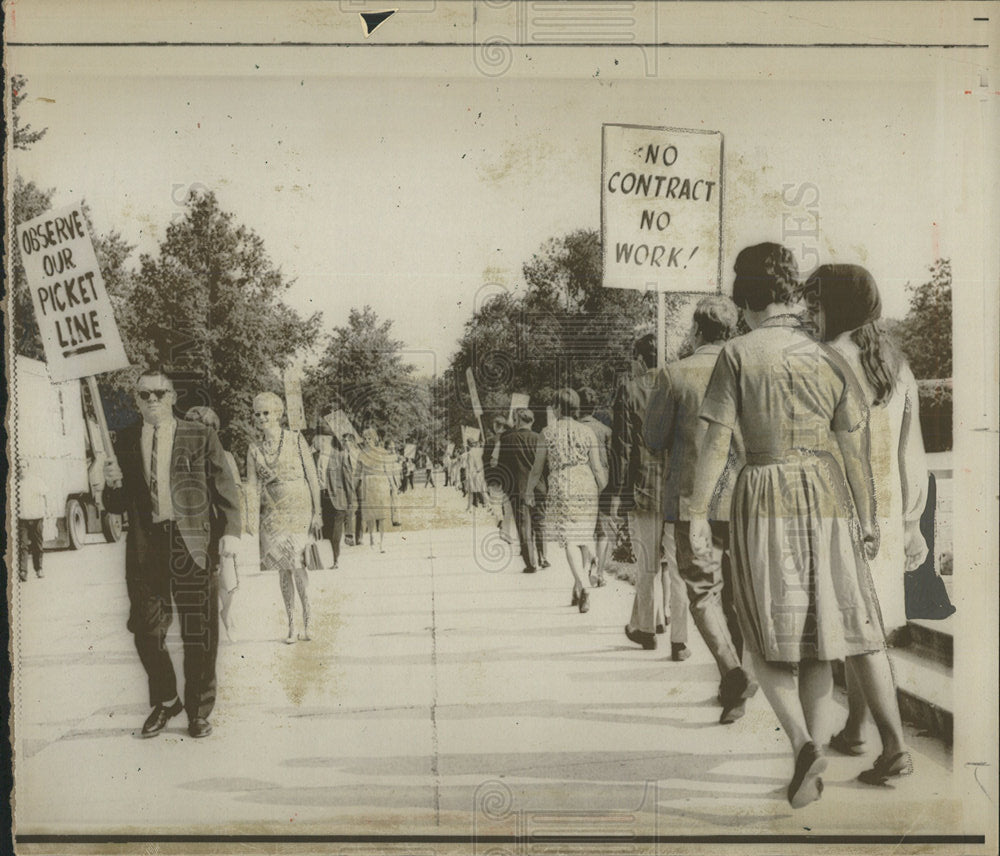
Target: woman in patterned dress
(377, 486)
(281, 471)
(801, 531)
(576, 478)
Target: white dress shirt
(164, 451)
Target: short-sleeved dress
(571, 506)
(801, 582)
(286, 508)
(376, 485)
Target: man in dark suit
(672, 425)
(183, 511)
(515, 461)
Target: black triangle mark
(371, 20)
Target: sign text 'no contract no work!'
(661, 208)
(74, 313)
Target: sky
(420, 186)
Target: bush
(936, 414)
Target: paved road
(445, 692)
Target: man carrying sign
(184, 513)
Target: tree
(210, 306)
(24, 137)
(27, 201)
(362, 370)
(925, 333)
(566, 330)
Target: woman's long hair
(879, 358)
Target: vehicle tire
(111, 526)
(76, 524)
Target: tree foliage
(210, 305)
(363, 371)
(925, 333)
(23, 137)
(566, 329)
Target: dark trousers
(334, 523)
(169, 577)
(29, 542)
(358, 526)
(709, 584)
(529, 520)
(429, 481)
(337, 531)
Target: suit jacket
(338, 479)
(636, 470)
(517, 457)
(201, 486)
(672, 425)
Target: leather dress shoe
(641, 637)
(679, 652)
(529, 570)
(158, 719)
(734, 691)
(661, 629)
(199, 727)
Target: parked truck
(60, 429)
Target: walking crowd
(771, 484)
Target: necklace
(267, 444)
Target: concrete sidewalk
(445, 692)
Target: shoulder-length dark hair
(880, 359)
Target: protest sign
(409, 450)
(339, 423)
(661, 208)
(477, 408)
(293, 400)
(518, 401)
(449, 449)
(469, 433)
(72, 307)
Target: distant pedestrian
(337, 480)
(517, 457)
(31, 513)
(376, 494)
(576, 477)
(607, 527)
(475, 476)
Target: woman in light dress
(802, 521)
(281, 471)
(846, 307)
(377, 486)
(576, 478)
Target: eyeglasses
(150, 394)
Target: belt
(783, 456)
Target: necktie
(153, 486)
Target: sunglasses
(263, 413)
(150, 394)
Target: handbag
(319, 555)
(229, 578)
